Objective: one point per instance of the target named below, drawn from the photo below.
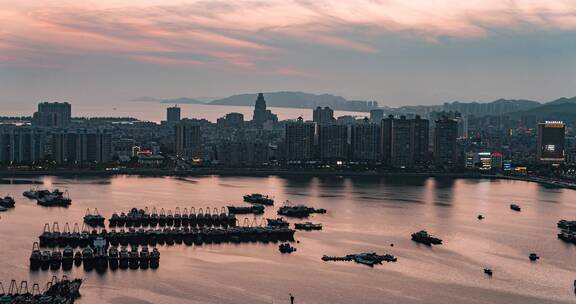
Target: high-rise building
(173, 114)
(22, 145)
(231, 120)
(81, 146)
(333, 142)
(53, 114)
(365, 141)
(404, 141)
(299, 140)
(376, 115)
(323, 115)
(237, 154)
(551, 142)
(187, 138)
(445, 147)
(419, 135)
(261, 114)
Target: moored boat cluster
(143, 218)
(98, 256)
(46, 198)
(64, 291)
(166, 236)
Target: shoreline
(234, 172)
(278, 172)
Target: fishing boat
(7, 202)
(257, 198)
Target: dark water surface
(364, 214)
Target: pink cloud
(243, 33)
(165, 60)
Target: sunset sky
(394, 51)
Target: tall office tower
(420, 140)
(173, 114)
(445, 148)
(188, 138)
(365, 141)
(52, 114)
(404, 141)
(81, 146)
(376, 115)
(333, 142)
(323, 115)
(261, 114)
(22, 145)
(299, 140)
(99, 146)
(551, 142)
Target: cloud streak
(253, 34)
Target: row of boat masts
(56, 292)
(248, 232)
(179, 218)
(94, 258)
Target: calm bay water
(151, 111)
(364, 214)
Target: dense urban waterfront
(364, 214)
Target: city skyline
(392, 52)
(287, 151)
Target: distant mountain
(146, 99)
(560, 109)
(563, 100)
(496, 107)
(297, 100)
(181, 100)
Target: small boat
(123, 258)
(286, 248)
(308, 226)
(35, 257)
(488, 271)
(154, 258)
(277, 222)
(113, 258)
(55, 260)
(88, 258)
(78, 258)
(7, 202)
(144, 258)
(45, 260)
(423, 237)
(299, 211)
(55, 199)
(533, 257)
(256, 209)
(93, 219)
(133, 258)
(257, 198)
(515, 207)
